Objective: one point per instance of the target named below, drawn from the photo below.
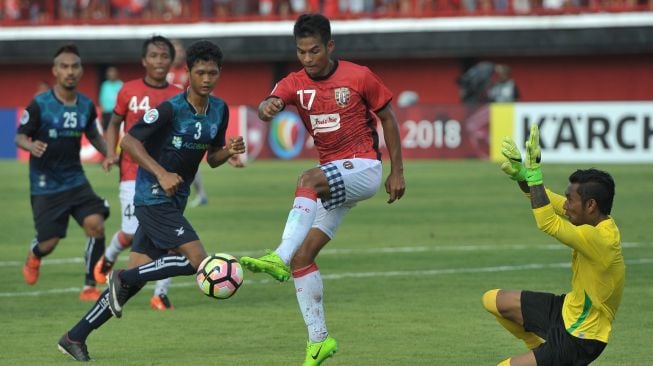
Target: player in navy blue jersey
(168, 143)
(51, 129)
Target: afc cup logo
(24, 118)
(214, 131)
(342, 96)
(151, 116)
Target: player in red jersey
(337, 102)
(134, 99)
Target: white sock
(162, 287)
(115, 247)
(300, 220)
(308, 284)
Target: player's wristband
(534, 177)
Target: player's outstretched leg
(160, 300)
(122, 283)
(298, 224)
(317, 352)
(270, 263)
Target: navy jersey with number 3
(177, 138)
(61, 127)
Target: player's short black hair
(156, 40)
(313, 25)
(67, 48)
(203, 50)
(595, 184)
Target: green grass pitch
(403, 282)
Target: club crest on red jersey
(342, 96)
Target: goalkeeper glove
(533, 157)
(513, 166)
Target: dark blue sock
(98, 315)
(163, 267)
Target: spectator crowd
(123, 11)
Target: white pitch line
(345, 275)
(383, 250)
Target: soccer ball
(220, 276)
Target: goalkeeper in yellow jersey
(569, 329)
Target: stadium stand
(49, 12)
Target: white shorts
(350, 181)
(129, 222)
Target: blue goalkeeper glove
(513, 166)
(533, 157)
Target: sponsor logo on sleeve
(24, 118)
(214, 131)
(151, 116)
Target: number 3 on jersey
(198, 130)
(135, 106)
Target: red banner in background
(427, 132)
(443, 132)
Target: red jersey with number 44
(337, 109)
(134, 99)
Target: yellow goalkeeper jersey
(597, 270)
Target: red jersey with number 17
(134, 99)
(337, 109)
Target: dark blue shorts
(542, 314)
(51, 211)
(161, 228)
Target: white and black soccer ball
(220, 276)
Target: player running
(337, 102)
(134, 99)
(51, 130)
(168, 143)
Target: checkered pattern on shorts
(336, 186)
